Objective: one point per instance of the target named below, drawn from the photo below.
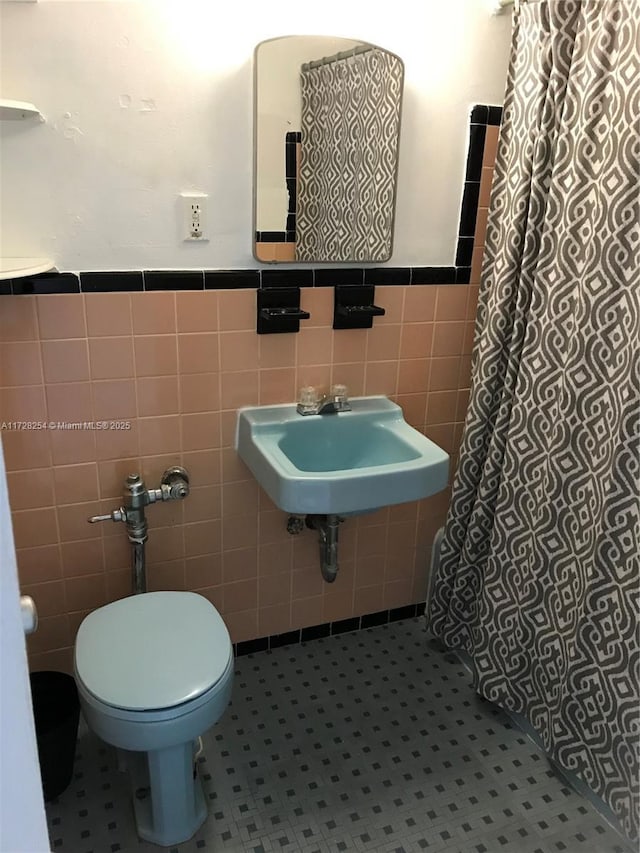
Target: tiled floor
(370, 741)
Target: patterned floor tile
(372, 742)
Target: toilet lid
(154, 650)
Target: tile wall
(175, 366)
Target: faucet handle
(339, 392)
(308, 400)
(308, 396)
(115, 515)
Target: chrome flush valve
(173, 486)
(176, 480)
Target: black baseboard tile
(33, 285)
(345, 625)
(289, 638)
(372, 620)
(173, 280)
(231, 279)
(315, 632)
(463, 275)
(329, 629)
(410, 611)
(250, 647)
(111, 282)
(5, 287)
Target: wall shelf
(16, 110)
(20, 267)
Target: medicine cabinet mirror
(327, 125)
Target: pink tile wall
(176, 366)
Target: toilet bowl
(154, 672)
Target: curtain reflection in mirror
(349, 153)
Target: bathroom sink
(341, 463)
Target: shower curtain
(349, 152)
(539, 566)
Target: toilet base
(168, 799)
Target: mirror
(327, 125)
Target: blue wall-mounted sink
(341, 463)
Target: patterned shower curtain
(349, 153)
(539, 566)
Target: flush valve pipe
(173, 486)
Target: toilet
(154, 672)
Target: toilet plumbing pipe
(173, 486)
(139, 567)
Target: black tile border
(469, 210)
(173, 279)
(149, 281)
(291, 140)
(479, 114)
(495, 116)
(477, 137)
(65, 282)
(481, 117)
(433, 275)
(231, 279)
(338, 276)
(387, 275)
(286, 278)
(271, 236)
(328, 629)
(464, 253)
(111, 282)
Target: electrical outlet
(194, 216)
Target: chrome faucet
(328, 404)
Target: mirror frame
(255, 153)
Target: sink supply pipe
(327, 527)
(174, 486)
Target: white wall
(144, 100)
